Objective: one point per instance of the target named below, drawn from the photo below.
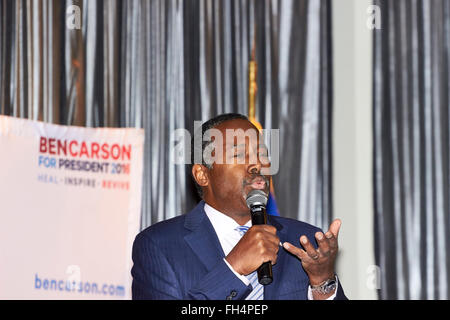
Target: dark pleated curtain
(161, 64)
(411, 150)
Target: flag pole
(252, 87)
(252, 90)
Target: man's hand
(318, 263)
(258, 245)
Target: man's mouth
(259, 183)
(255, 182)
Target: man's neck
(240, 219)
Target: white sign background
(67, 233)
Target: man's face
(236, 168)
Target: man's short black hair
(210, 124)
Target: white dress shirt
(228, 238)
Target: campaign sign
(70, 204)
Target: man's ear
(200, 174)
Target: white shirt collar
(222, 223)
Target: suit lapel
(271, 290)
(203, 239)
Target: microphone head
(256, 197)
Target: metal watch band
(325, 287)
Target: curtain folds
(411, 149)
(161, 64)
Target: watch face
(331, 286)
(326, 287)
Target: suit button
(232, 295)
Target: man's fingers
(268, 228)
(324, 246)
(273, 239)
(265, 231)
(271, 255)
(332, 241)
(300, 253)
(309, 248)
(334, 227)
(333, 233)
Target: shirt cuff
(310, 295)
(243, 278)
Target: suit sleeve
(155, 279)
(340, 295)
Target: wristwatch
(325, 287)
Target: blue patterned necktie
(258, 289)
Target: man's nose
(254, 168)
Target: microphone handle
(259, 216)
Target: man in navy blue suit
(213, 251)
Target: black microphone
(256, 201)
